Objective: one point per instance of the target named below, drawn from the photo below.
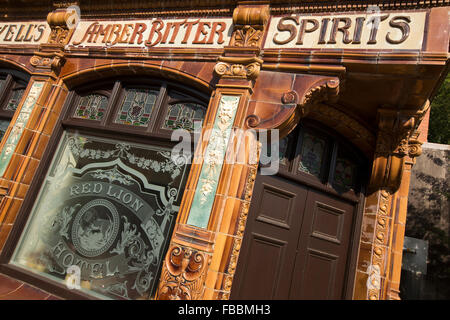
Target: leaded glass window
(344, 174)
(136, 107)
(106, 207)
(311, 154)
(3, 126)
(12, 88)
(13, 102)
(184, 116)
(92, 107)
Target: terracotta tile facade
(376, 100)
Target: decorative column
(29, 132)
(380, 251)
(204, 248)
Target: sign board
(398, 30)
(193, 33)
(20, 33)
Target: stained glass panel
(3, 126)
(183, 116)
(137, 107)
(106, 209)
(312, 154)
(13, 102)
(92, 107)
(344, 174)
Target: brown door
(296, 243)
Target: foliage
(439, 126)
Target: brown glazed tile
(191, 68)
(22, 191)
(45, 94)
(225, 178)
(50, 123)
(40, 146)
(211, 279)
(208, 294)
(24, 141)
(438, 20)
(230, 216)
(222, 252)
(30, 170)
(368, 227)
(60, 99)
(265, 90)
(26, 292)
(13, 210)
(8, 285)
(4, 233)
(206, 74)
(360, 292)
(216, 212)
(364, 257)
(13, 166)
(35, 117)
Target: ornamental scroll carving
(376, 268)
(295, 105)
(59, 22)
(50, 56)
(238, 68)
(183, 274)
(397, 138)
(245, 207)
(249, 23)
(51, 61)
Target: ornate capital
(183, 274)
(48, 61)
(249, 23)
(238, 68)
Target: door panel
(322, 248)
(295, 245)
(270, 240)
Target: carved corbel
(50, 56)
(249, 23)
(397, 138)
(183, 274)
(62, 23)
(238, 68)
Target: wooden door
(296, 243)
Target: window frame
(325, 182)
(66, 123)
(14, 80)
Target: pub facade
(303, 121)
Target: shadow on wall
(429, 219)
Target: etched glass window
(106, 208)
(344, 174)
(184, 116)
(311, 154)
(3, 126)
(136, 107)
(92, 107)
